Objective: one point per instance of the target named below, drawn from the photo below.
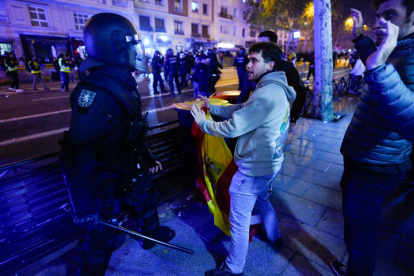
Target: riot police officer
(172, 67)
(156, 64)
(214, 66)
(103, 154)
(183, 69)
(240, 62)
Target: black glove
(89, 221)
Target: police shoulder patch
(86, 98)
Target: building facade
(48, 28)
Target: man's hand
(89, 221)
(358, 23)
(198, 114)
(158, 167)
(390, 33)
(205, 103)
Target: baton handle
(173, 246)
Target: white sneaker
(19, 90)
(12, 89)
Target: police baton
(125, 230)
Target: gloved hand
(89, 221)
(198, 114)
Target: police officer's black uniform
(240, 62)
(172, 67)
(156, 64)
(214, 67)
(104, 146)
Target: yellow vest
(63, 68)
(35, 66)
(10, 67)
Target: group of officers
(185, 66)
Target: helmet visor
(137, 57)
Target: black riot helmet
(170, 52)
(209, 52)
(157, 54)
(215, 50)
(112, 39)
(242, 51)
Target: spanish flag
(216, 170)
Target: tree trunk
(323, 104)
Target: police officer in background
(156, 64)
(11, 68)
(172, 67)
(104, 158)
(64, 72)
(240, 62)
(214, 66)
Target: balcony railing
(160, 30)
(179, 32)
(195, 35)
(207, 36)
(225, 15)
(146, 28)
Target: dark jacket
(240, 62)
(106, 107)
(375, 134)
(172, 65)
(202, 75)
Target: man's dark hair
(409, 4)
(270, 34)
(269, 51)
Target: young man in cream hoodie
(261, 123)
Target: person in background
(71, 63)
(292, 57)
(78, 62)
(311, 67)
(10, 63)
(156, 64)
(240, 63)
(171, 69)
(64, 73)
(202, 75)
(36, 73)
(262, 126)
(357, 73)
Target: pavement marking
(34, 136)
(34, 116)
(50, 98)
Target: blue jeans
(363, 193)
(64, 77)
(245, 193)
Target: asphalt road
(32, 122)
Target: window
(194, 28)
(194, 6)
(159, 25)
(205, 9)
(177, 6)
(204, 29)
(178, 27)
(80, 20)
(252, 33)
(235, 31)
(243, 32)
(224, 29)
(144, 23)
(223, 10)
(158, 2)
(120, 3)
(38, 16)
(235, 13)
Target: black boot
(161, 233)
